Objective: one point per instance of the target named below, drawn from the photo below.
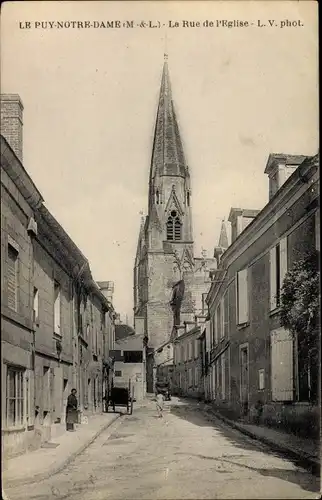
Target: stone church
(165, 251)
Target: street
(183, 455)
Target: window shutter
(57, 298)
(242, 284)
(283, 260)
(226, 315)
(30, 391)
(223, 379)
(282, 365)
(46, 390)
(12, 277)
(273, 271)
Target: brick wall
(12, 121)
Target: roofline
(19, 175)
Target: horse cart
(121, 396)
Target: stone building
(129, 362)
(19, 200)
(188, 364)
(165, 251)
(256, 367)
(57, 323)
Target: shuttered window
(278, 270)
(242, 297)
(57, 299)
(226, 315)
(218, 323)
(282, 365)
(36, 304)
(12, 278)
(190, 377)
(223, 373)
(196, 377)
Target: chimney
(279, 168)
(11, 121)
(240, 218)
(107, 289)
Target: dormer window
(173, 227)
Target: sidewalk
(298, 448)
(44, 462)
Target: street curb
(61, 466)
(304, 460)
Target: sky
(90, 101)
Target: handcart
(121, 396)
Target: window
(190, 377)
(173, 226)
(190, 349)
(226, 315)
(223, 378)
(196, 377)
(182, 358)
(12, 282)
(157, 197)
(196, 349)
(118, 373)
(14, 397)
(261, 379)
(204, 305)
(133, 356)
(36, 305)
(242, 297)
(278, 269)
(218, 323)
(57, 308)
(188, 198)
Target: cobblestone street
(183, 455)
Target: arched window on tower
(174, 226)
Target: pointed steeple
(223, 238)
(167, 154)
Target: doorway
(244, 379)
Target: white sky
(90, 99)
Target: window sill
(275, 311)
(18, 428)
(243, 325)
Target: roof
(122, 331)
(131, 343)
(286, 159)
(167, 153)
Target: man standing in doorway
(71, 411)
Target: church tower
(165, 252)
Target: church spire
(223, 238)
(167, 154)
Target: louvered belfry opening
(174, 227)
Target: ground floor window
(14, 396)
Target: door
(244, 384)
